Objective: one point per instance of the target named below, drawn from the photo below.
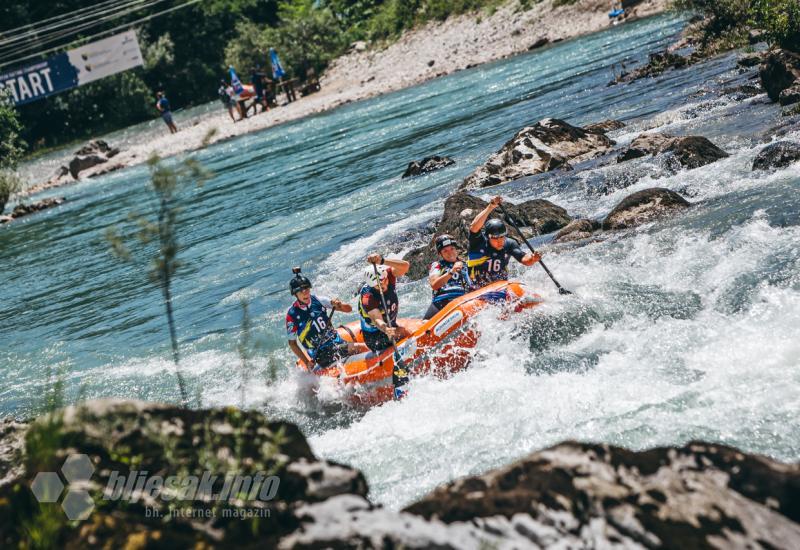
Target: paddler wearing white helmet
(378, 303)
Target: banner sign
(73, 68)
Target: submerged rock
(749, 60)
(95, 152)
(428, 164)
(545, 146)
(538, 216)
(777, 155)
(577, 230)
(24, 209)
(689, 151)
(657, 63)
(604, 126)
(644, 206)
(779, 70)
(790, 95)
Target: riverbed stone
(93, 153)
(605, 126)
(547, 145)
(777, 155)
(644, 206)
(428, 164)
(689, 151)
(577, 230)
(779, 70)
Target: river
(682, 329)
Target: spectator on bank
(257, 80)
(166, 114)
(225, 94)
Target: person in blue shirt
(490, 250)
(308, 324)
(166, 114)
(448, 276)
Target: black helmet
(298, 282)
(443, 241)
(495, 228)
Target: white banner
(106, 57)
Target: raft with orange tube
(438, 346)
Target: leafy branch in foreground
(165, 185)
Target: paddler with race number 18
(378, 303)
(490, 250)
(309, 322)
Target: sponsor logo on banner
(443, 326)
(73, 68)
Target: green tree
(11, 148)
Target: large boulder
(99, 462)
(95, 152)
(777, 155)
(545, 146)
(536, 216)
(644, 206)
(581, 495)
(428, 164)
(779, 71)
(689, 151)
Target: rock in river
(547, 145)
(428, 164)
(644, 206)
(689, 151)
(777, 155)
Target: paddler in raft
(379, 324)
(490, 250)
(448, 276)
(309, 322)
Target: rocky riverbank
(60, 485)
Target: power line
(48, 38)
(103, 33)
(95, 7)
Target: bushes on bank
(780, 20)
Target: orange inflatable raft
(439, 345)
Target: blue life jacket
(458, 285)
(392, 303)
(311, 324)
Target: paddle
(399, 376)
(561, 289)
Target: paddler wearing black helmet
(490, 249)
(448, 276)
(309, 322)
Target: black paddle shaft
(398, 378)
(561, 289)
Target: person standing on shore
(166, 114)
(225, 94)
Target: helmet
(299, 282)
(495, 228)
(374, 279)
(443, 241)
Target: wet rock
(644, 206)
(577, 230)
(779, 70)
(107, 170)
(539, 43)
(643, 145)
(6, 219)
(738, 93)
(790, 95)
(537, 216)
(604, 127)
(12, 445)
(689, 151)
(545, 146)
(428, 164)
(24, 209)
(657, 63)
(593, 495)
(95, 152)
(777, 155)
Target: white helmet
(374, 279)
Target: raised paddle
(399, 375)
(561, 289)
